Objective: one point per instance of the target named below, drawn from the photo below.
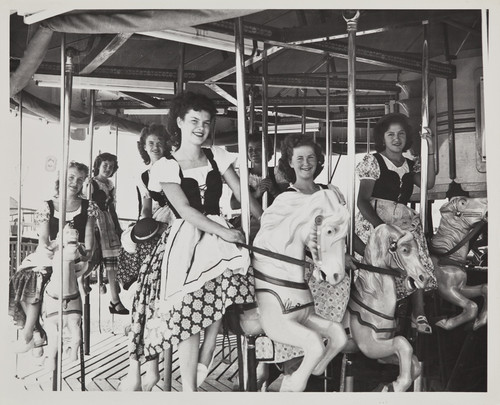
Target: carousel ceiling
(136, 60)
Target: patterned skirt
(26, 285)
(152, 331)
(407, 219)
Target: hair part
(153, 129)
(288, 145)
(105, 157)
(179, 107)
(383, 125)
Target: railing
(27, 246)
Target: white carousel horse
(458, 217)
(371, 308)
(285, 304)
(72, 268)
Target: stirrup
(421, 324)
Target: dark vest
(389, 186)
(159, 197)
(323, 186)
(79, 222)
(191, 189)
(100, 197)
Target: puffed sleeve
(93, 209)
(416, 165)
(339, 194)
(42, 214)
(163, 171)
(368, 168)
(223, 158)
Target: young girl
(28, 283)
(204, 270)
(103, 193)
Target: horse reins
(274, 255)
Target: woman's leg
(132, 381)
(32, 312)
(188, 351)
(209, 342)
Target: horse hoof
(478, 323)
(443, 324)
(290, 384)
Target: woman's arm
(431, 170)
(43, 235)
(364, 195)
(233, 181)
(179, 201)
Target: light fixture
(297, 128)
(146, 111)
(199, 37)
(103, 83)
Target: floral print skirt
(153, 331)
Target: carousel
(322, 315)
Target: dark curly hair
(383, 125)
(104, 157)
(78, 166)
(153, 129)
(288, 145)
(179, 107)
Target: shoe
(21, 346)
(421, 324)
(39, 339)
(114, 310)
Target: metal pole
(66, 87)
(264, 123)
(20, 189)
(303, 122)
(242, 130)
(86, 305)
(368, 141)
(251, 110)
(328, 136)
(424, 148)
(116, 153)
(275, 135)
(180, 68)
(352, 24)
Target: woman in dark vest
(202, 270)
(386, 185)
(28, 283)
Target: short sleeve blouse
(369, 168)
(167, 170)
(42, 214)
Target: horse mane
(376, 250)
(290, 212)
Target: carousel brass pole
(424, 147)
(180, 68)
(368, 141)
(242, 130)
(19, 196)
(351, 18)
(328, 135)
(86, 305)
(275, 146)
(264, 124)
(66, 87)
(303, 122)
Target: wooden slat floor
(107, 364)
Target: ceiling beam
(106, 53)
(142, 98)
(223, 93)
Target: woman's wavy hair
(179, 107)
(78, 166)
(104, 157)
(383, 125)
(153, 129)
(288, 145)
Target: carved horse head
(391, 247)
(318, 221)
(464, 211)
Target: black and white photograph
(251, 200)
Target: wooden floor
(108, 361)
(107, 364)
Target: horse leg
(51, 328)
(287, 330)
(73, 323)
(476, 291)
(376, 348)
(455, 296)
(337, 339)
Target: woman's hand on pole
(426, 135)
